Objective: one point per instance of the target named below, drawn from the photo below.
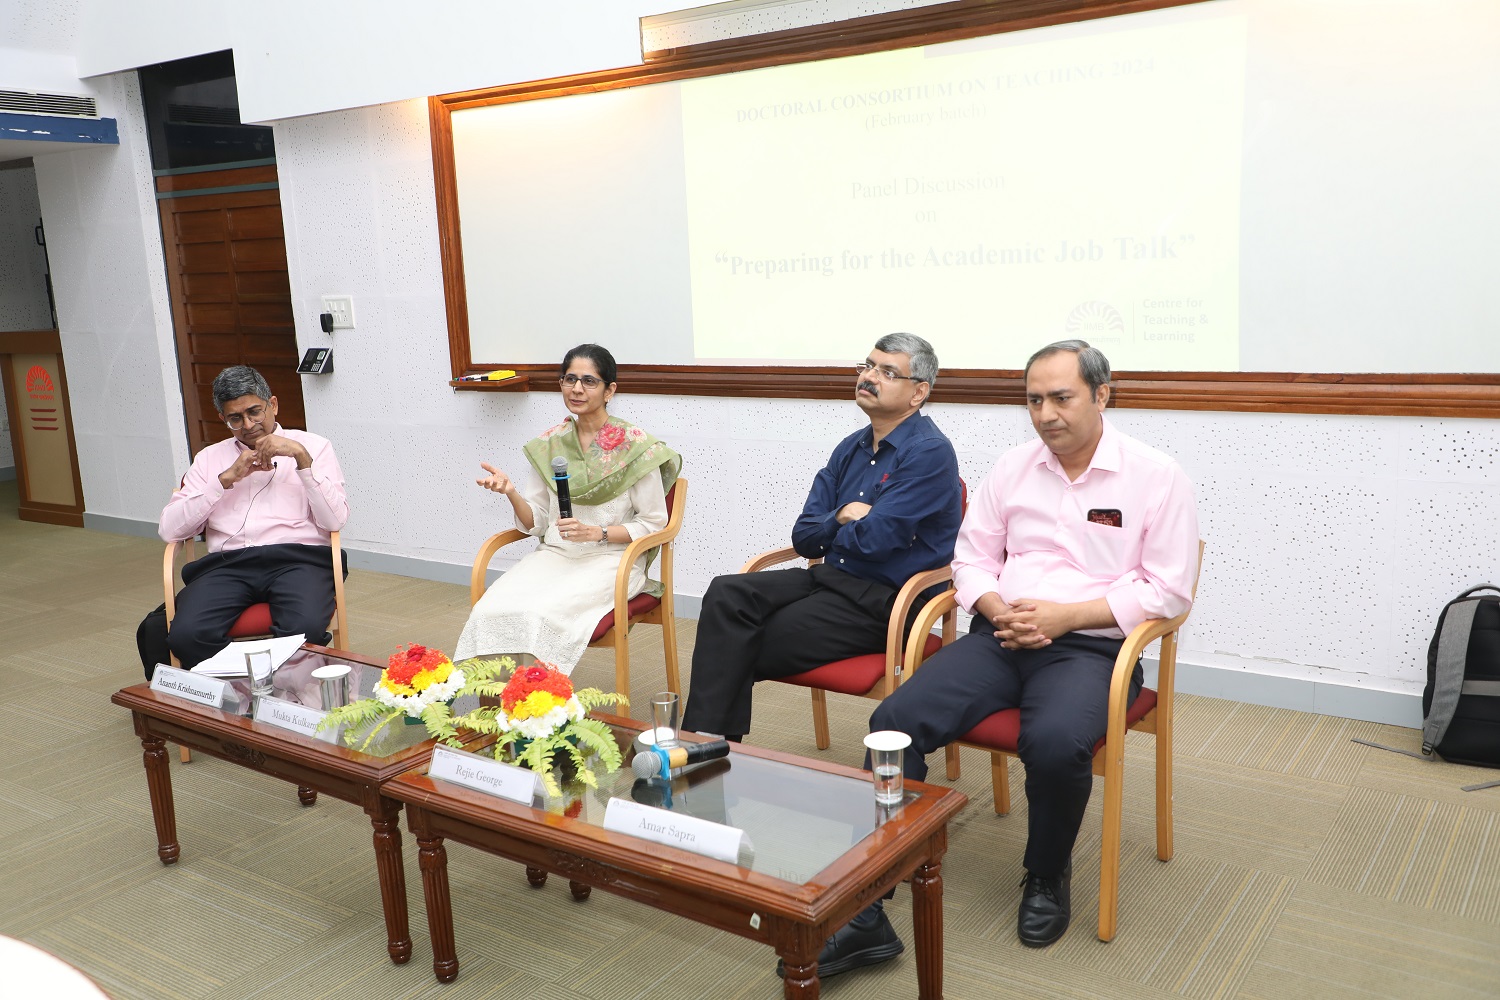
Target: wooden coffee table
(823, 851)
(312, 765)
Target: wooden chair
(1151, 712)
(873, 675)
(254, 621)
(631, 610)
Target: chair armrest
(169, 574)
(487, 551)
(335, 543)
(769, 558)
(906, 598)
(644, 544)
(916, 641)
(1135, 644)
(169, 579)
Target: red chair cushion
(856, 675)
(1002, 730)
(639, 605)
(254, 620)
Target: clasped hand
(261, 458)
(1031, 624)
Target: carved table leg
(159, 782)
(800, 982)
(385, 818)
(536, 876)
(579, 890)
(432, 857)
(306, 796)
(927, 918)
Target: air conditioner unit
(31, 102)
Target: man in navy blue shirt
(886, 506)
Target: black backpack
(1461, 703)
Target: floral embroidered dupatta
(620, 455)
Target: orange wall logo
(39, 386)
(37, 380)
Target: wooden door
(231, 300)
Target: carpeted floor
(1306, 865)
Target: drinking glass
(886, 748)
(664, 705)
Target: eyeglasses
(252, 415)
(589, 381)
(886, 372)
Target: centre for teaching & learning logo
(1095, 320)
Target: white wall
(113, 314)
(297, 58)
(1332, 541)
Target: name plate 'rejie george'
(185, 684)
(701, 836)
(484, 774)
(290, 715)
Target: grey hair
(236, 381)
(1092, 364)
(924, 362)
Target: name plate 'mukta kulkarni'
(186, 684)
(691, 833)
(484, 774)
(290, 715)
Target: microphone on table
(658, 761)
(560, 480)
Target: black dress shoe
(1045, 908)
(853, 946)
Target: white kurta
(550, 602)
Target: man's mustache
(869, 387)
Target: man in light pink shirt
(1071, 541)
(265, 500)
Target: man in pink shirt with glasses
(1071, 541)
(265, 501)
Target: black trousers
(293, 579)
(1062, 691)
(756, 626)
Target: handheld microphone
(658, 762)
(560, 480)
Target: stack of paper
(230, 661)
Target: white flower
(542, 725)
(415, 704)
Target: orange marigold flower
(407, 662)
(542, 677)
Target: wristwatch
(603, 536)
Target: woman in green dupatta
(549, 603)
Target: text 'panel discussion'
(1089, 584)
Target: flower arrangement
(418, 683)
(416, 678)
(541, 721)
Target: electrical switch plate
(342, 308)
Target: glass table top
(293, 681)
(797, 820)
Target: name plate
(701, 836)
(485, 774)
(290, 715)
(185, 684)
